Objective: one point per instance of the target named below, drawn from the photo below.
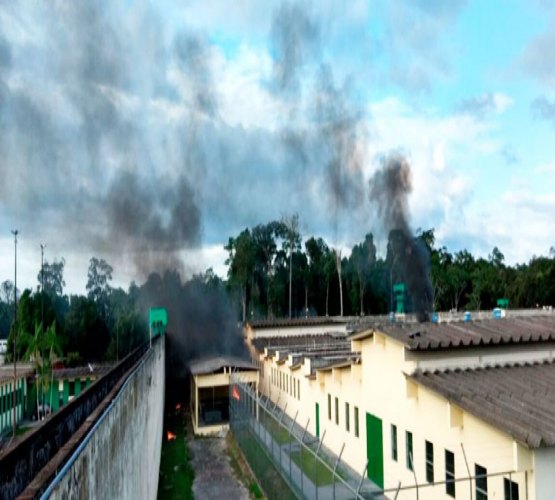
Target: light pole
(42, 247)
(15, 232)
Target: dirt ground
(214, 477)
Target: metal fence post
(302, 446)
(291, 441)
(467, 470)
(335, 467)
(362, 479)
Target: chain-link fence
(291, 463)
(285, 457)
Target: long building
(462, 409)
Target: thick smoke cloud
(389, 190)
(87, 145)
(323, 128)
(201, 319)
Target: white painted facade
(378, 386)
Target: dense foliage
(259, 274)
(272, 272)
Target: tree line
(103, 325)
(272, 272)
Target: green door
(317, 420)
(374, 449)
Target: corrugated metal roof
(430, 336)
(299, 342)
(293, 322)
(518, 399)
(204, 366)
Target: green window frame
(347, 420)
(336, 411)
(356, 422)
(329, 406)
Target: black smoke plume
(389, 190)
(200, 315)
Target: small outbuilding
(210, 390)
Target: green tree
(53, 277)
(363, 257)
(241, 266)
(98, 284)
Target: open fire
(170, 436)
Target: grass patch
(318, 473)
(176, 472)
(279, 433)
(266, 473)
(241, 469)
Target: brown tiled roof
(519, 399)
(427, 336)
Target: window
(299, 389)
(408, 449)
(429, 462)
(394, 442)
(329, 406)
(511, 489)
(337, 411)
(450, 473)
(356, 421)
(294, 388)
(347, 423)
(481, 482)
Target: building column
(196, 401)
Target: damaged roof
(517, 399)
(215, 364)
(490, 332)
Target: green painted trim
(374, 449)
(317, 420)
(65, 395)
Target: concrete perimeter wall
(120, 458)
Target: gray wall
(122, 457)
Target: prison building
(7, 385)
(210, 390)
(462, 409)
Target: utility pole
(15, 232)
(42, 247)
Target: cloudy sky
(149, 133)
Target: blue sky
(246, 108)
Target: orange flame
(170, 435)
(178, 406)
(235, 393)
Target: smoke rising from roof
(200, 318)
(389, 190)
